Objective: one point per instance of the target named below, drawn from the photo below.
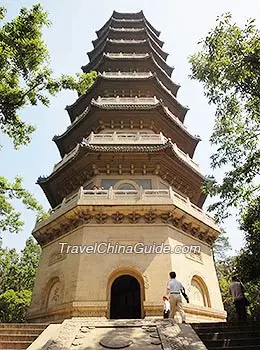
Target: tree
(221, 246)
(13, 305)
(226, 268)
(26, 79)
(228, 65)
(18, 270)
(249, 257)
(17, 276)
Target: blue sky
(182, 24)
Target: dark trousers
(166, 314)
(241, 309)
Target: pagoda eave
(99, 86)
(93, 119)
(164, 68)
(163, 160)
(114, 31)
(119, 43)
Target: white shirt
(166, 305)
(174, 286)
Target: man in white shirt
(174, 289)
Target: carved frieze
(117, 218)
(56, 257)
(195, 256)
(150, 217)
(133, 217)
(101, 218)
(81, 217)
(85, 216)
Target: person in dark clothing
(240, 301)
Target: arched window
(126, 185)
(199, 294)
(55, 293)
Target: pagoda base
(123, 285)
(101, 310)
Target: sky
(182, 25)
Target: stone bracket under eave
(67, 219)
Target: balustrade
(111, 196)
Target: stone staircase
(19, 335)
(234, 335)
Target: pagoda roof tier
(87, 160)
(129, 113)
(128, 34)
(132, 63)
(131, 45)
(157, 63)
(127, 22)
(126, 84)
(127, 15)
(135, 139)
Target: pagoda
(126, 179)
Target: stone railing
(124, 75)
(116, 138)
(185, 157)
(127, 41)
(127, 197)
(127, 20)
(127, 100)
(167, 111)
(127, 139)
(66, 157)
(126, 29)
(126, 54)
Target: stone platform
(98, 334)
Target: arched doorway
(125, 301)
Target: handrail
(112, 196)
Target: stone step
(227, 343)
(6, 345)
(236, 329)
(24, 325)
(248, 347)
(18, 337)
(229, 335)
(24, 331)
(225, 324)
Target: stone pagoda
(126, 179)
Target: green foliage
(26, 79)
(228, 65)
(13, 305)
(249, 258)
(221, 246)
(9, 218)
(17, 276)
(252, 293)
(18, 270)
(25, 76)
(225, 270)
(81, 84)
